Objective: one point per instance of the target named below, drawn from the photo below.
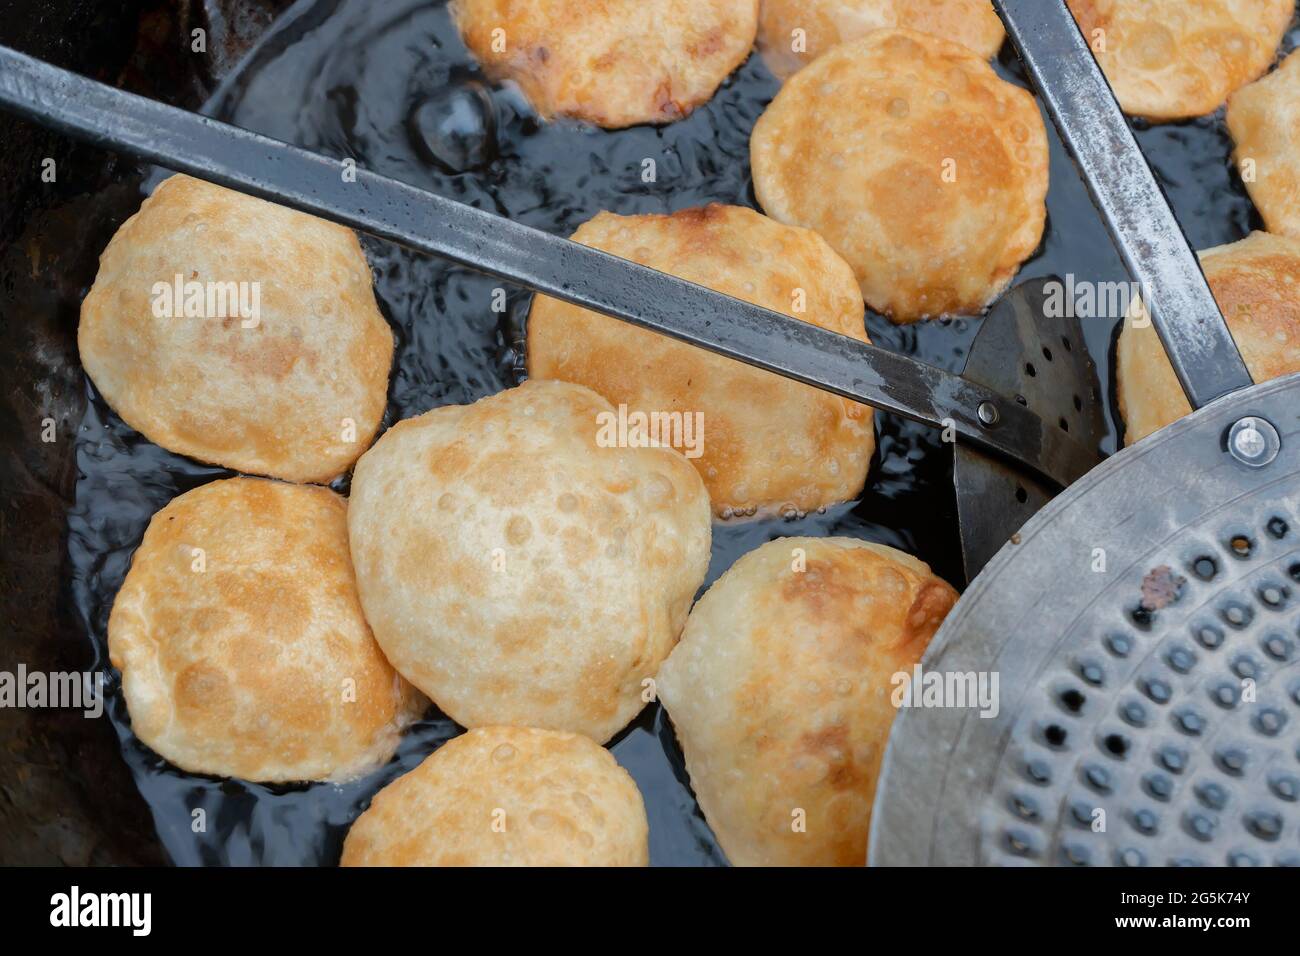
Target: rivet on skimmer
(1253, 441)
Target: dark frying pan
(1075, 249)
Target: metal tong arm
(1147, 235)
(558, 267)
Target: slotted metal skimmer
(1042, 364)
(1145, 629)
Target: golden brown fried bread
(780, 693)
(517, 571)
(506, 796)
(761, 442)
(610, 62)
(241, 642)
(792, 33)
(1172, 59)
(916, 162)
(1264, 119)
(293, 388)
(1257, 284)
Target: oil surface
(391, 86)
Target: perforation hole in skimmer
(1157, 736)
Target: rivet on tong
(1253, 441)
(988, 413)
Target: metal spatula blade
(1042, 363)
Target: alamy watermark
(73, 690)
(636, 429)
(1084, 299)
(133, 911)
(192, 299)
(958, 689)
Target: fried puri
(516, 569)
(780, 693)
(1257, 284)
(1173, 59)
(613, 63)
(506, 796)
(916, 162)
(241, 642)
(293, 388)
(1264, 119)
(767, 444)
(792, 33)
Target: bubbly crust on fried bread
(506, 796)
(780, 693)
(241, 642)
(1171, 59)
(792, 33)
(295, 391)
(614, 63)
(767, 444)
(1264, 119)
(918, 164)
(1256, 282)
(517, 571)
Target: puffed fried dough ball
(1173, 59)
(506, 796)
(916, 162)
(767, 444)
(780, 693)
(614, 63)
(791, 33)
(295, 391)
(1256, 282)
(517, 571)
(241, 642)
(1264, 119)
